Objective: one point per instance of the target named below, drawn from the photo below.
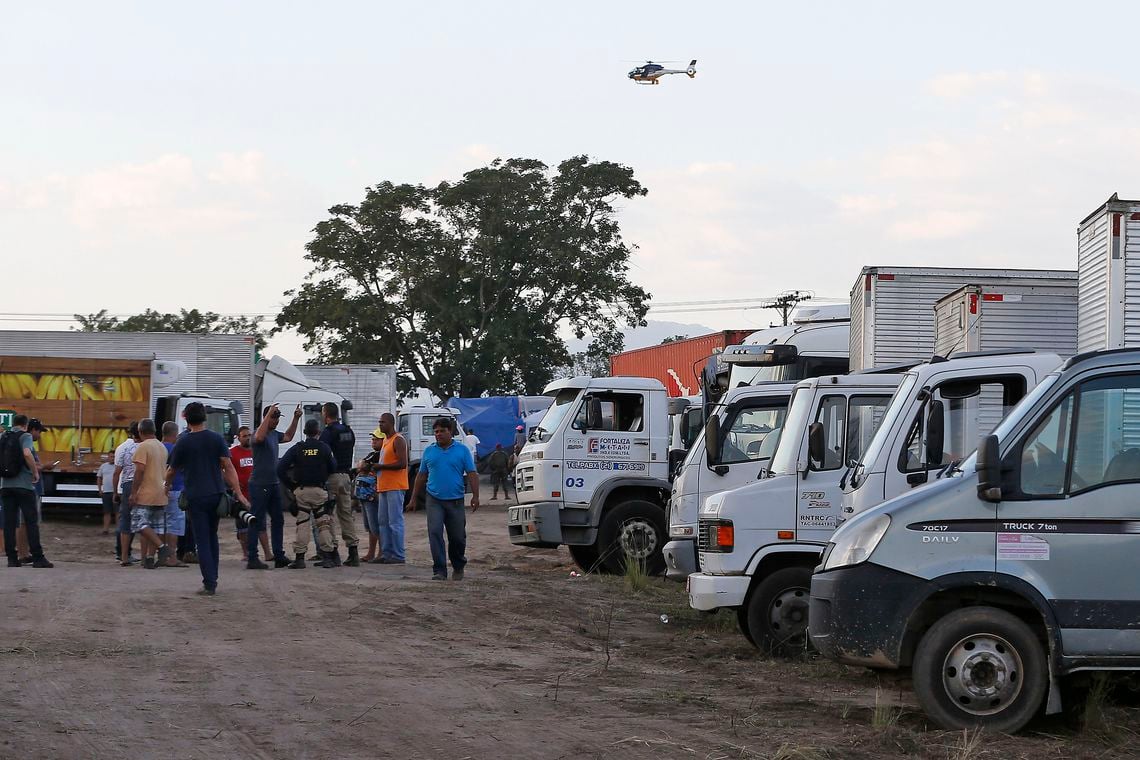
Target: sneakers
(280, 562)
(26, 560)
(14, 563)
(206, 591)
(149, 563)
(389, 561)
(439, 577)
(256, 564)
(42, 562)
(190, 558)
(457, 575)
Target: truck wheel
(585, 557)
(980, 666)
(777, 612)
(742, 621)
(633, 530)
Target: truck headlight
(851, 547)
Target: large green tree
(192, 321)
(466, 286)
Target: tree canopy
(465, 286)
(192, 321)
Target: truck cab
(415, 424)
(936, 417)
(758, 543)
(276, 381)
(594, 474)
(1013, 572)
(223, 416)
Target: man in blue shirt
(265, 486)
(444, 467)
(203, 458)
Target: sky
(162, 156)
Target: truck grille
(524, 479)
(706, 537)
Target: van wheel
(585, 557)
(777, 612)
(634, 530)
(980, 666)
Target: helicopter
(651, 72)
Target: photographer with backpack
(18, 477)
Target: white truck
(757, 544)
(276, 381)
(370, 387)
(594, 475)
(1008, 317)
(1108, 279)
(892, 314)
(746, 422)
(415, 424)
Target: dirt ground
(520, 659)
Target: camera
(230, 507)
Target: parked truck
(677, 364)
(1008, 317)
(415, 423)
(370, 387)
(86, 388)
(276, 381)
(892, 314)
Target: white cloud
(238, 168)
(961, 84)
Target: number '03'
(575, 482)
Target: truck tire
(742, 621)
(585, 557)
(980, 666)
(777, 612)
(633, 530)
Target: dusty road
(518, 660)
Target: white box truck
(1108, 276)
(892, 308)
(1010, 317)
(370, 387)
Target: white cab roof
(605, 383)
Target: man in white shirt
(105, 479)
(472, 442)
(124, 474)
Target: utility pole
(788, 300)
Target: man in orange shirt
(391, 486)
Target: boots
(335, 555)
(353, 558)
(327, 560)
(299, 562)
(279, 562)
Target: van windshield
(898, 405)
(563, 403)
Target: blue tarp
(495, 418)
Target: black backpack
(11, 455)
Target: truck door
(618, 446)
(849, 423)
(970, 405)
(1068, 525)
(751, 428)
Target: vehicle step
(83, 500)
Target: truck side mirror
(676, 457)
(593, 413)
(817, 445)
(989, 469)
(935, 434)
(712, 440)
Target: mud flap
(535, 525)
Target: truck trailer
(677, 364)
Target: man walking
(175, 528)
(265, 486)
(497, 463)
(443, 467)
(340, 438)
(305, 470)
(18, 477)
(203, 459)
(391, 486)
(148, 493)
(124, 474)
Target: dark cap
(35, 424)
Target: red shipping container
(676, 364)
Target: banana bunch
(98, 440)
(17, 385)
(67, 388)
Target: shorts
(108, 503)
(148, 517)
(175, 517)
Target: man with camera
(305, 470)
(202, 457)
(265, 486)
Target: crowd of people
(169, 491)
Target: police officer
(340, 438)
(305, 470)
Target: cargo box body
(1008, 318)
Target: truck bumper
(680, 559)
(858, 615)
(710, 592)
(536, 524)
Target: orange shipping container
(676, 364)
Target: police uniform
(305, 470)
(340, 438)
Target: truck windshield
(784, 461)
(1011, 420)
(563, 404)
(899, 403)
(220, 420)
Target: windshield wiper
(949, 469)
(843, 480)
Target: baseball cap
(35, 424)
(520, 427)
(378, 433)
